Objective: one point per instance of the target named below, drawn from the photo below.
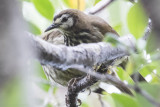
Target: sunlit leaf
(151, 69)
(76, 4)
(137, 20)
(130, 67)
(118, 28)
(146, 70)
(123, 75)
(45, 8)
(155, 79)
(96, 1)
(84, 105)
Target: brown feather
(87, 21)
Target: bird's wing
(102, 25)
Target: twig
(95, 9)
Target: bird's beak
(51, 27)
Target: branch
(100, 6)
(81, 56)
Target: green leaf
(130, 67)
(122, 100)
(123, 75)
(96, 1)
(45, 8)
(148, 68)
(119, 28)
(137, 20)
(33, 28)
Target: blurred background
(29, 87)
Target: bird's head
(65, 20)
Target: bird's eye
(64, 19)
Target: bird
(72, 27)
